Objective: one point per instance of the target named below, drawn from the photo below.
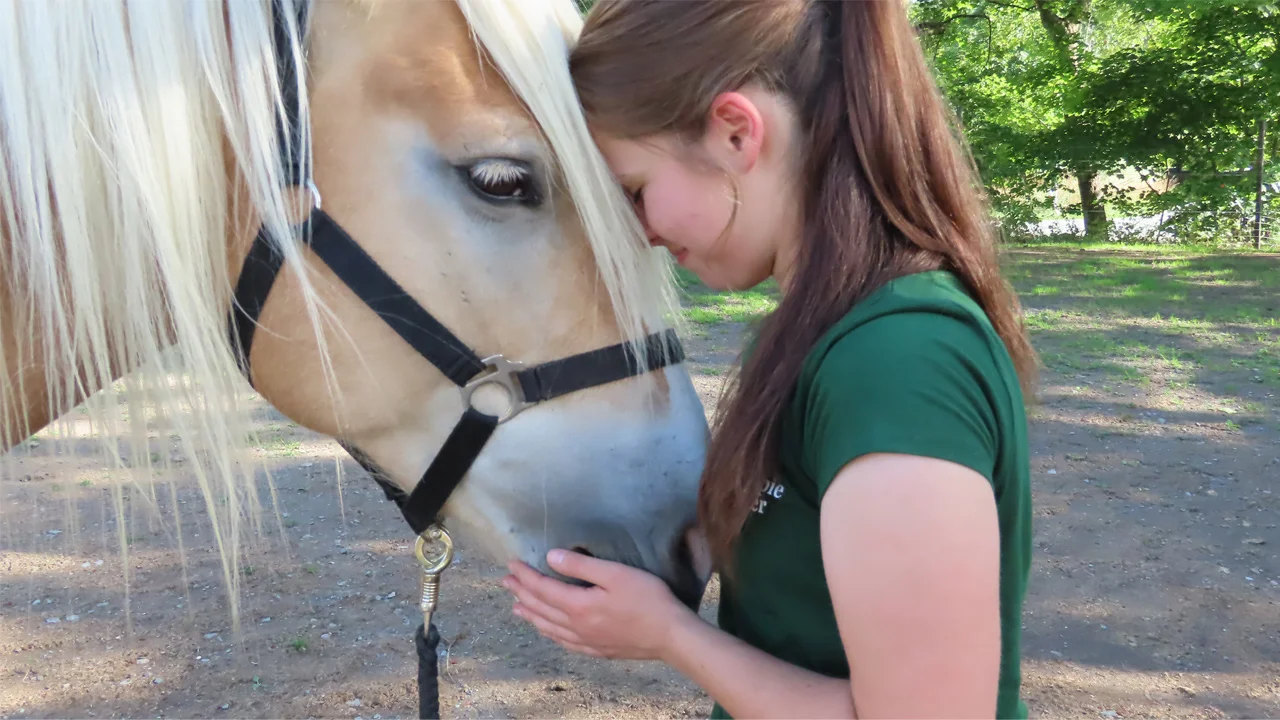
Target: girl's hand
(629, 614)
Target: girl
(866, 495)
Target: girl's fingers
(548, 628)
(549, 590)
(580, 649)
(532, 602)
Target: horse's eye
(501, 180)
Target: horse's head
(467, 176)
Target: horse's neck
(27, 389)
(24, 395)
(30, 397)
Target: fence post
(1257, 207)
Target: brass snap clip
(434, 563)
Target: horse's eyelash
(493, 171)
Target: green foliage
(1051, 89)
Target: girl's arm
(911, 554)
(911, 547)
(912, 557)
(631, 614)
(750, 683)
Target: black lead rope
(428, 672)
(433, 341)
(426, 335)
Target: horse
(166, 168)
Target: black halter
(353, 266)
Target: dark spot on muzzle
(685, 584)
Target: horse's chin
(620, 486)
(687, 584)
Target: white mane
(113, 188)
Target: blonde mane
(118, 122)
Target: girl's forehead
(628, 158)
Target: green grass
(282, 446)
(1185, 318)
(1218, 287)
(1077, 245)
(1170, 321)
(708, 307)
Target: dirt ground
(1154, 592)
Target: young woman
(866, 493)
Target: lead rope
(427, 639)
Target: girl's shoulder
(915, 368)
(907, 312)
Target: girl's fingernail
(555, 557)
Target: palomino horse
(142, 156)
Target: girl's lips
(678, 253)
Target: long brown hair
(888, 186)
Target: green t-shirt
(915, 368)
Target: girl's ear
(735, 132)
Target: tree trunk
(1095, 213)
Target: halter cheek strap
(525, 387)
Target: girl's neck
(786, 257)
(784, 269)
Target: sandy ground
(1154, 593)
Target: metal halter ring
(502, 372)
(434, 565)
(311, 191)
(315, 192)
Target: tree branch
(1010, 5)
(1079, 11)
(935, 26)
(1059, 34)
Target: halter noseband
(526, 387)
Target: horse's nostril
(683, 554)
(581, 550)
(686, 583)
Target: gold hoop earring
(733, 215)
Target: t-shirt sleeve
(916, 383)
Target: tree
(1051, 88)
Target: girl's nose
(655, 240)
